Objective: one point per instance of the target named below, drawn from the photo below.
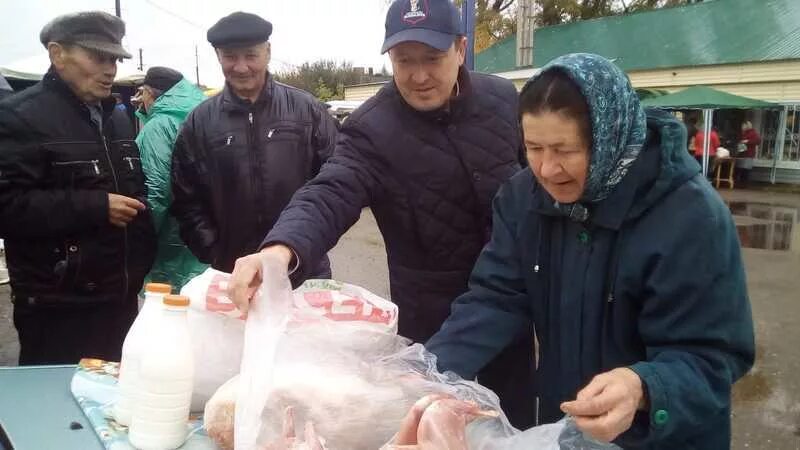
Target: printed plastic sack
(218, 327)
(341, 372)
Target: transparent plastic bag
(343, 372)
(217, 330)
(217, 326)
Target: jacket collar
(458, 106)
(232, 102)
(53, 81)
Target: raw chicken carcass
(437, 422)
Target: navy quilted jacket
(429, 179)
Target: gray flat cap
(94, 30)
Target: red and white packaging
(217, 326)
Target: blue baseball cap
(435, 23)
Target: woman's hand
(605, 408)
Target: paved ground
(766, 402)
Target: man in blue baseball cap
(427, 153)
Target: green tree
(554, 12)
(324, 93)
(326, 77)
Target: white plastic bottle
(166, 378)
(133, 347)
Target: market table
(38, 412)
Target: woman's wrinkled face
(557, 153)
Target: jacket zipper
(95, 164)
(274, 131)
(130, 160)
(251, 147)
(125, 229)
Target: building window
(770, 122)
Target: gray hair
(154, 92)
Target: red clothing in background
(753, 139)
(698, 143)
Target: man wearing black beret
(79, 236)
(242, 154)
(167, 98)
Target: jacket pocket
(86, 269)
(285, 132)
(130, 173)
(75, 174)
(285, 141)
(75, 165)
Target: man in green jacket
(167, 98)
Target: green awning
(703, 97)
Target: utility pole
(526, 25)
(141, 61)
(468, 20)
(117, 8)
(196, 66)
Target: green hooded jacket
(174, 263)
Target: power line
(174, 14)
(201, 27)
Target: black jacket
(56, 171)
(236, 165)
(429, 179)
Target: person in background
(625, 259)
(714, 144)
(691, 131)
(78, 234)
(119, 104)
(242, 154)
(750, 139)
(167, 98)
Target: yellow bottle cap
(176, 300)
(158, 288)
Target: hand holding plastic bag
(331, 362)
(266, 321)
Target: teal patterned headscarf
(617, 119)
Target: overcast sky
(168, 30)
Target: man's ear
(461, 49)
(57, 54)
(269, 52)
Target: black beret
(95, 30)
(162, 78)
(238, 30)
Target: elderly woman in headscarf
(624, 259)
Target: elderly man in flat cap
(79, 236)
(167, 98)
(242, 154)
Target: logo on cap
(416, 15)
